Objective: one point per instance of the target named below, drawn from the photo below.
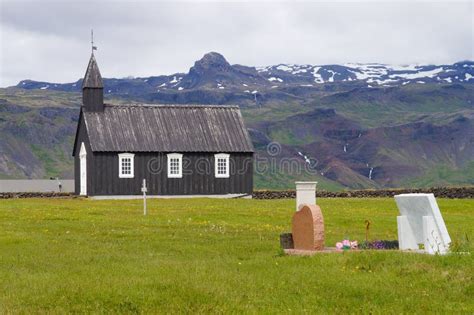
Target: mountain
(213, 71)
(372, 74)
(352, 125)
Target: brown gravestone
(308, 228)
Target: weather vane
(92, 41)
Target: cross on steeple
(92, 41)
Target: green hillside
(413, 135)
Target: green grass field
(220, 256)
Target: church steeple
(93, 88)
(92, 79)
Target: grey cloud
(49, 40)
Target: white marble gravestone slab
(420, 222)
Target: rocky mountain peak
(211, 61)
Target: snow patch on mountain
(413, 67)
(263, 69)
(300, 71)
(286, 68)
(317, 77)
(381, 82)
(417, 75)
(272, 79)
(366, 71)
(176, 80)
(306, 158)
(331, 79)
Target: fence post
(144, 190)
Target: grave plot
(421, 227)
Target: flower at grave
(378, 245)
(347, 244)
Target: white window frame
(224, 156)
(178, 156)
(130, 156)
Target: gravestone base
(329, 250)
(303, 252)
(408, 241)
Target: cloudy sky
(50, 40)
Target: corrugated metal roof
(168, 128)
(92, 78)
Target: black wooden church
(178, 149)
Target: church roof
(167, 128)
(92, 78)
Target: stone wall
(36, 195)
(439, 192)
